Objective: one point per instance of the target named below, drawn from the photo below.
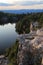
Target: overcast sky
(21, 4)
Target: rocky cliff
(30, 50)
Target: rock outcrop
(30, 50)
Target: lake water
(8, 36)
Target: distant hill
(23, 11)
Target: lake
(8, 36)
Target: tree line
(22, 20)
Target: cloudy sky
(21, 4)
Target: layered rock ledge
(30, 50)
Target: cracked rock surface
(30, 51)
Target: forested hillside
(13, 18)
(23, 25)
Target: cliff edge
(30, 50)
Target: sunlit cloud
(24, 3)
(12, 1)
(21, 7)
(21, 4)
(27, 2)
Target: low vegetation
(11, 53)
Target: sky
(21, 4)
